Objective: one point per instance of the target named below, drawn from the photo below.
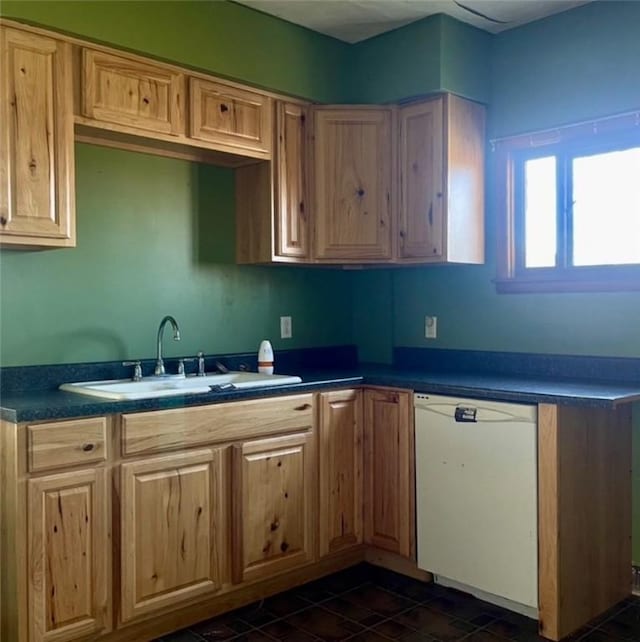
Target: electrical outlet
(431, 327)
(286, 331)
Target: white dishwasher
(476, 497)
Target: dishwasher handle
(466, 414)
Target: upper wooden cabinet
(353, 165)
(123, 91)
(232, 118)
(272, 209)
(441, 162)
(37, 200)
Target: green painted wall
(221, 37)
(156, 236)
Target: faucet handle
(181, 363)
(137, 369)
(200, 357)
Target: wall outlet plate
(286, 331)
(431, 327)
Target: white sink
(151, 387)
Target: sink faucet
(176, 337)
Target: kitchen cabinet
(274, 510)
(173, 530)
(353, 160)
(272, 206)
(389, 496)
(37, 199)
(69, 555)
(231, 118)
(441, 163)
(340, 472)
(118, 90)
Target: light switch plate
(286, 331)
(431, 327)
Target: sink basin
(151, 387)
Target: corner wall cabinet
(353, 167)
(441, 162)
(37, 187)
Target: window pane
(606, 209)
(540, 212)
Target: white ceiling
(356, 20)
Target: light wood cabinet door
(353, 161)
(37, 202)
(441, 161)
(123, 91)
(290, 184)
(340, 470)
(233, 119)
(173, 531)
(273, 506)
(69, 556)
(389, 501)
(421, 159)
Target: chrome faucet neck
(176, 337)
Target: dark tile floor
(367, 604)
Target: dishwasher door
(476, 497)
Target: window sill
(550, 285)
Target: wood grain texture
(157, 431)
(69, 556)
(353, 184)
(37, 200)
(421, 164)
(172, 529)
(230, 117)
(340, 454)
(121, 90)
(585, 514)
(290, 189)
(273, 506)
(67, 443)
(389, 483)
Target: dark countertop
(42, 405)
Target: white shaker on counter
(265, 358)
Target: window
(570, 208)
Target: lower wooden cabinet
(273, 506)
(69, 556)
(389, 498)
(340, 471)
(173, 526)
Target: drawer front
(150, 432)
(231, 118)
(67, 443)
(127, 92)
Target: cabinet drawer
(127, 92)
(231, 118)
(67, 443)
(149, 432)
